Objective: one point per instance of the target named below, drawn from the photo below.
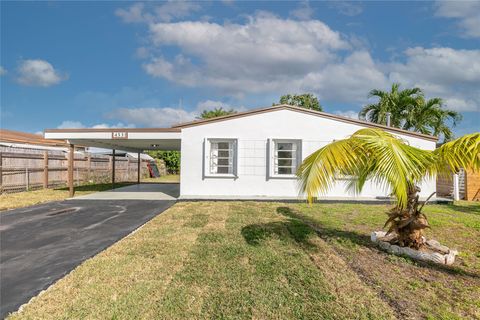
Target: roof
(307, 111)
(28, 138)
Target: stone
(444, 255)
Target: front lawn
(245, 260)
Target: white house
(248, 155)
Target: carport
(130, 140)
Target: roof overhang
(131, 140)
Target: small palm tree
(430, 117)
(396, 102)
(373, 154)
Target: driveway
(41, 244)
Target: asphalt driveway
(42, 243)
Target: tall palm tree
(396, 102)
(430, 117)
(373, 154)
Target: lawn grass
(28, 198)
(250, 260)
(169, 178)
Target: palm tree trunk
(408, 223)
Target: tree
(430, 117)
(373, 154)
(171, 159)
(411, 111)
(306, 100)
(217, 112)
(396, 102)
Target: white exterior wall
(253, 132)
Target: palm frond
(367, 154)
(463, 152)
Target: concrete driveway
(40, 244)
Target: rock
(445, 256)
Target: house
(247, 155)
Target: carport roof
(127, 139)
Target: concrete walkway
(144, 191)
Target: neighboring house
(462, 186)
(18, 139)
(248, 155)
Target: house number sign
(119, 135)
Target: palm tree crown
(411, 111)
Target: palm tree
(217, 112)
(396, 102)
(373, 154)
(430, 117)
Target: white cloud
(348, 114)
(348, 8)
(153, 117)
(168, 11)
(304, 12)
(166, 116)
(3, 71)
(38, 72)
(265, 54)
(466, 12)
(68, 124)
(442, 72)
(108, 126)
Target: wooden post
(45, 169)
(71, 158)
(27, 179)
(89, 166)
(113, 168)
(138, 169)
(128, 168)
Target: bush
(171, 159)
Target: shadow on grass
(472, 208)
(300, 228)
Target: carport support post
(138, 168)
(113, 168)
(71, 158)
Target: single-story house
(247, 155)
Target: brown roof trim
(116, 130)
(29, 138)
(307, 111)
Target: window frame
(207, 158)
(274, 158)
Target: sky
(153, 64)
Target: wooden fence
(28, 169)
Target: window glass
(285, 157)
(221, 157)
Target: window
(221, 157)
(286, 157)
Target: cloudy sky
(152, 64)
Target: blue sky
(87, 64)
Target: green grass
(28, 198)
(169, 178)
(248, 260)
